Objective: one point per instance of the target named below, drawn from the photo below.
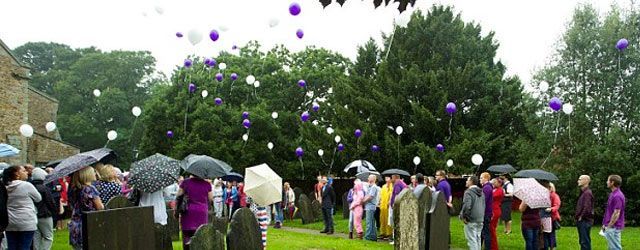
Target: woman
(218, 202)
(21, 196)
(356, 207)
(47, 208)
(498, 195)
(108, 185)
(83, 197)
(198, 194)
(290, 206)
(385, 196)
(550, 237)
(242, 197)
(530, 226)
(230, 194)
(507, 201)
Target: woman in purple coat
(199, 195)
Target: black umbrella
(205, 167)
(359, 166)
(53, 164)
(364, 176)
(536, 174)
(154, 173)
(504, 168)
(395, 171)
(233, 177)
(77, 162)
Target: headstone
(244, 231)
(317, 210)
(207, 238)
(405, 220)
(305, 210)
(438, 223)
(312, 196)
(173, 225)
(345, 206)
(424, 206)
(163, 238)
(219, 224)
(129, 228)
(118, 202)
(297, 192)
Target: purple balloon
(187, 63)
(299, 33)
(440, 148)
(294, 9)
(375, 148)
(316, 107)
(192, 88)
(234, 76)
(207, 61)
(212, 62)
(218, 101)
(340, 147)
(305, 116)
(246, 123)
(358, 133)
(245, 115)
(622, 44)
(179, 35)
(451, 108)
(555, 104)
(302, 83)
(299, 152)
(214, 35)
(170, 134)
(219, 77)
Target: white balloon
(449, 163)
(112, 135)
(476, 159)
(195, 36)
(245, 137)
(136, 111)
(273, 22)
(399, 130)
(97, 93)
(544, 86)
(270, 145)
(160, 10)
(329, 130)
(403, 19)
(256, 84)
(26, 130)
(567, 108)
(204, 93)
(315, 122)
(50, 126)
(320, 152)
(337, 139)
(416, 160)
(222, 66)
(274, 115)
(250, 79)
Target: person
(4, 215)
(496, 206)
(278, 208)
(29, 169)
(291, 199)
(156, 200)
(108, 185)
(444, 186)
(487, 189)
(64, 201)
(472, 213)
(530, 226)
(47, 208)
(318, 189)
(417, 190)
(507, 188)
(613, 221)
(349, 201)
(584, 212)
(218, 194)
(414, 182)
(554, 211)
(242, 196)
(55, 188)
(21, 196)
(356, 207)
(431, 183)
(385, 198)
(230, 194)
(371, 202)
(170, 192)
(198, 194)
(83, 197)
(328, 202)
(398, 186)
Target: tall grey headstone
(244, 231)
(345, 206)
(130, 228)
(163, 238)
(207, 238)
(305, 210)
(118, 202)
(424, 206)
(438, 223)
(173, 225)
(405, 220)
(316, 207)
(220, 224)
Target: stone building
(22, 104)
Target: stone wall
(43, 149)
(42, 109)
(13, 104)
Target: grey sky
(526, 30)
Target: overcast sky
(526, 30)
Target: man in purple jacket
(487, 189)
(584, 212)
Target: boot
(360, 236)
(350, 235)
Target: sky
(525, 30)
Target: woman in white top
(218, 202)
(21, 196)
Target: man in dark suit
(328, 202)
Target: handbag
(556, 225)
(182, 202)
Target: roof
(50, 98)
(15, 58)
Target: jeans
(43, 237)
(549, 239)
(20, 240)
(584, 233)
(530, 238)
(279, 213)
(613, 238)
(472, 231)
(328, 219)
(370, 234)
(486, 233)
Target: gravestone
(312, 196)
(424, 206)
(207, 238)
(129, 228)
(305, 210)
(244, 231)
(219, 224)
(317, 210)
(163, 238)
(345, 206)
(297, 192)
(118, 202)
(173, 225)
(438, 223)
(405, 221)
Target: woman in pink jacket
(356, 207)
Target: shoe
(360, 236)
(323, 231)
(390, 242)
(330, 232)
(350, 235)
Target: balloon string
(302, 166)
(546, 159)
(398, 151)
(333, 158)
(185, 118)
(555, 137)
(450, 134)
(393, 33)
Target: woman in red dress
(498, 195)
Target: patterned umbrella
(359, 166)
(205, 167)
(154, 173)
(77, 162)
(531, 192)
(7, 150)
(233, 177)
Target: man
(443, 186)
(385, 199)
(417, 190)
(507, 201)
(317, 188)
(584, 212)
(613, 221)
(487, 190)
(328, 202)
(414, 182)
(472, 213)
(370, 203)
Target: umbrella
(205, 167)
(53, 164)
(359, 166)
(394, 171)
(531, 192)
(77, 162)
(3, 166)
(364, 176)
(504, 168)
(536, 174)
(233, 177)
(263, 185)
(154, 173)
(7, 150)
